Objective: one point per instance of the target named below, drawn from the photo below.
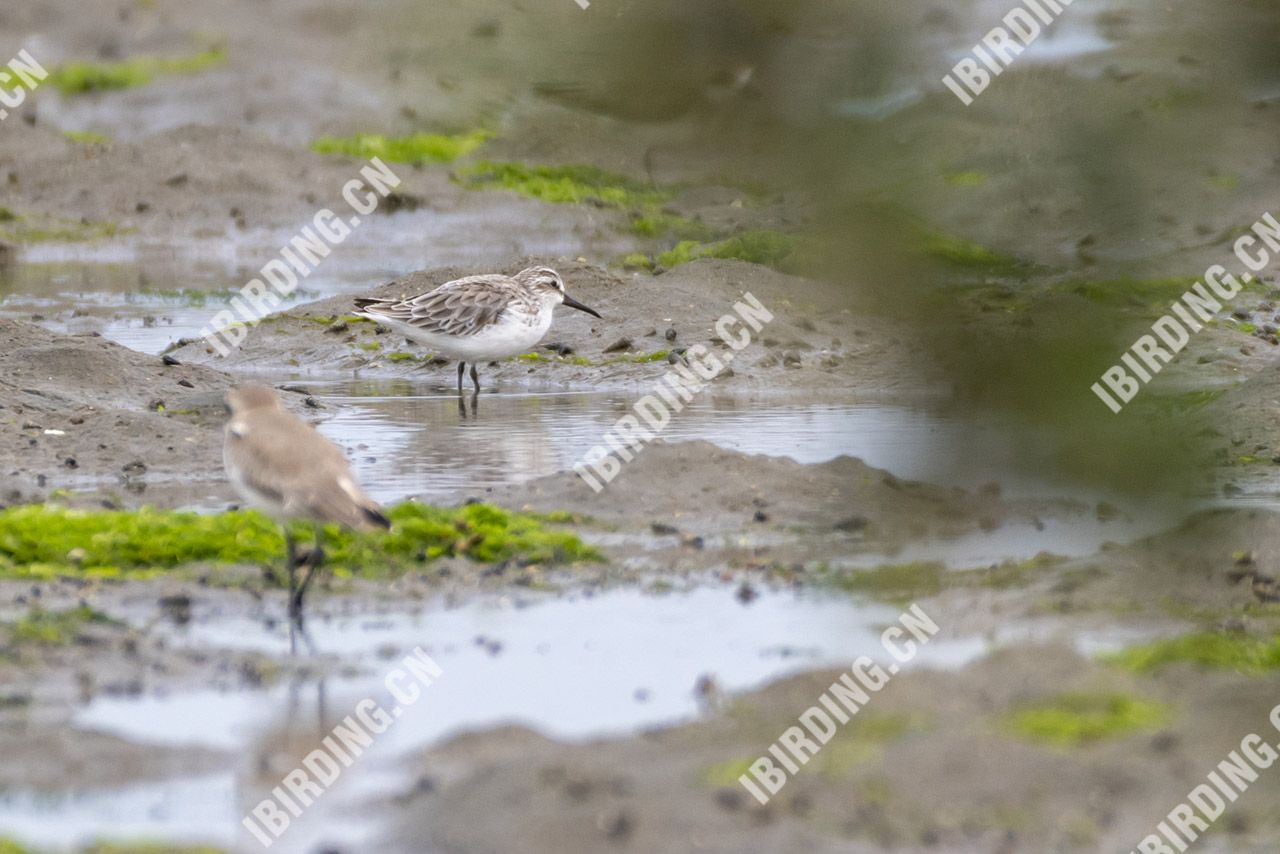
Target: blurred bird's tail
(375, 516)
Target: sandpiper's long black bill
(573, 303)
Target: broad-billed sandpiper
(479, 318)
(281, 465)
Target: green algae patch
(896, 581)
(860, 741)
(769, 248)
(147, 848)
(53, 628)
(1011, 573)
(581, 184)
(1071, 720)
(565, 184)
(191, 297)
(722, 774)
(644, 204)
(640, 358)
(25, 230)
(9, 846)
(637, 261)
(1225, 182)
(326, 319)
(1208, 650)
(42, 541)
(87, 137)
(566, 360)
(77, 78)
(965, 254)
(966, 178)
(415, 148)
(863, 740)
(1187, 401)
(1130, 291)
(906, 581)
(662, 224)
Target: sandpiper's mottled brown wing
(282, 457)
(461, 307)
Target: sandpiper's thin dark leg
(461, 367)
(291, 565)
(313, 560)
(475, 378)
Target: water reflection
(575, 668)
(406, 437)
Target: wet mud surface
(742, 567)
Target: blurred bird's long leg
(314, 559)
(291, 564)
(475, 379)
(318, 552)
(462, 366)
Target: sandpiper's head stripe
(540, 277)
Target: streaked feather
(462, 307)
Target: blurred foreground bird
(479, 318)
(281, 465)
